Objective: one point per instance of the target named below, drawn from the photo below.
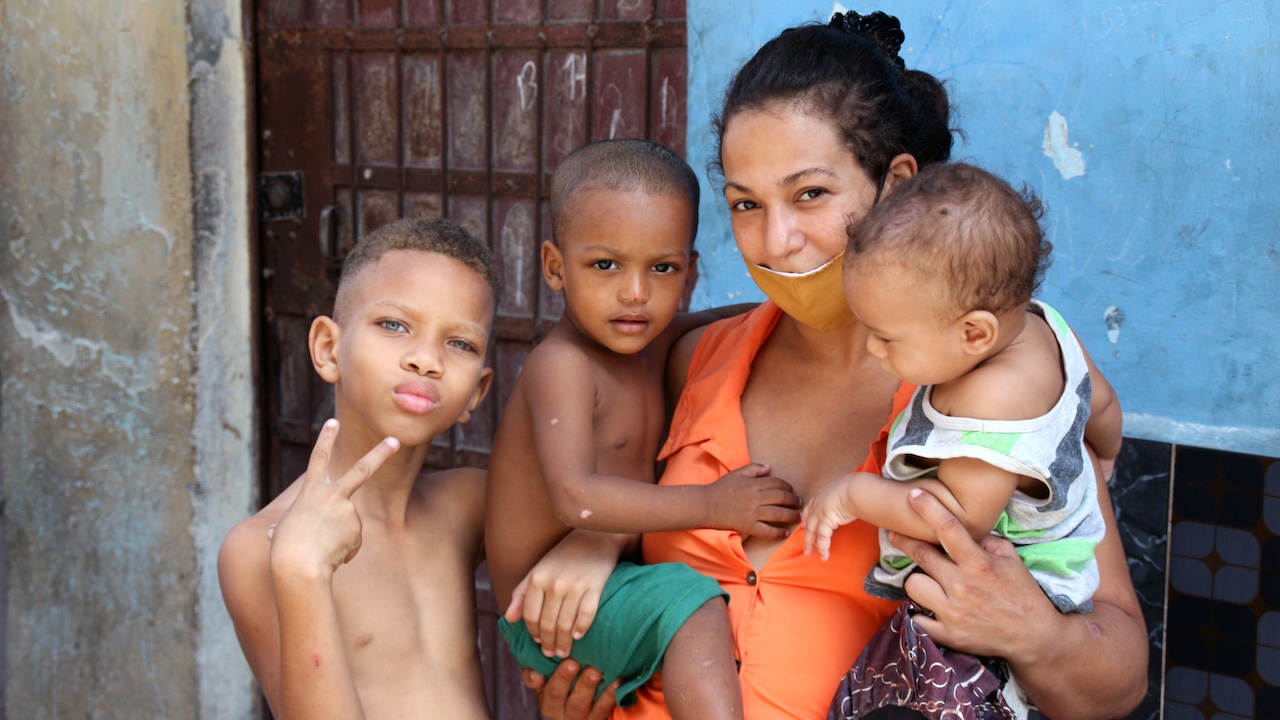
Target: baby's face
(623, 262)
(914, 332)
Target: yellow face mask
(815, 298)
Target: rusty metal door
(371, 110)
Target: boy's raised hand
(751, 501)
(321, 530)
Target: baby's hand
(751, 501)
(825, 512)
(321, 530)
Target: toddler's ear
(482, 389)
(323, 341)
(552, 265)
(980, 329)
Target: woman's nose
(782, 233)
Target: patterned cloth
(903, 667)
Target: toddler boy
(577, 442)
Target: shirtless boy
(352, 592)
(577, 442)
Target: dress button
(751, 577)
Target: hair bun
(884, 30)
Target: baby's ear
(323, 341)
(552, 265)
(482, 389)
(980, 329)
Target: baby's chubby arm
(972, 490)
(562, 400)
(285, 618)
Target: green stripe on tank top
(997, 441)
(1060, 557)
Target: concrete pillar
(126, 424)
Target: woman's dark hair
(850, 71)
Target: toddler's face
(914, 332)
(623, 262)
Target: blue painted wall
(1162, 195)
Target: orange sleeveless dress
(798, 623)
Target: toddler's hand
(751, 501)
(559, 597)
(825, 512)
(321, 530)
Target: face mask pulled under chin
(815, 298)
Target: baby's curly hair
(972, 235)
(434, 235)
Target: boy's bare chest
(628, 423)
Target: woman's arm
(985, 602)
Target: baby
(940, 274)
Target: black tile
(1187, 649)
(1235, 622)
(1268, 706)
(1195, 465)
(1194, 502)
(1189, 613)
(1233, 658)
(1242, 473)
(1238, 510)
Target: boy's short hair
(968, 231)
(623, 164)
(434, 235)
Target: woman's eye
(604, 265)
(812, 194)
(392, 325)
(743, 205)
(464, 346)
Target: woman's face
(792, 187)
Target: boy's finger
(366, 466)
(318, 465)
(533, 612)
(587, 609)
(516, 608)
(567, 621)
(547, 623)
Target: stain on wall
(98, 356)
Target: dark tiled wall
(1224, 587)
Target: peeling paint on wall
(1067, 160)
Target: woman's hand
(559, 597)
(557, 702)
(985, 602)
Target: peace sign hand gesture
(321, 530)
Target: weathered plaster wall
(124, 377)
(1148, 127)
(226, 470)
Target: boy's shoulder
(454, 500)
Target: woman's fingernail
(330, 423)
(393, 443)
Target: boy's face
(915, 333)
(410, 346)
(622, 261)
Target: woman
(815, 128)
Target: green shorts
(641, 609)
